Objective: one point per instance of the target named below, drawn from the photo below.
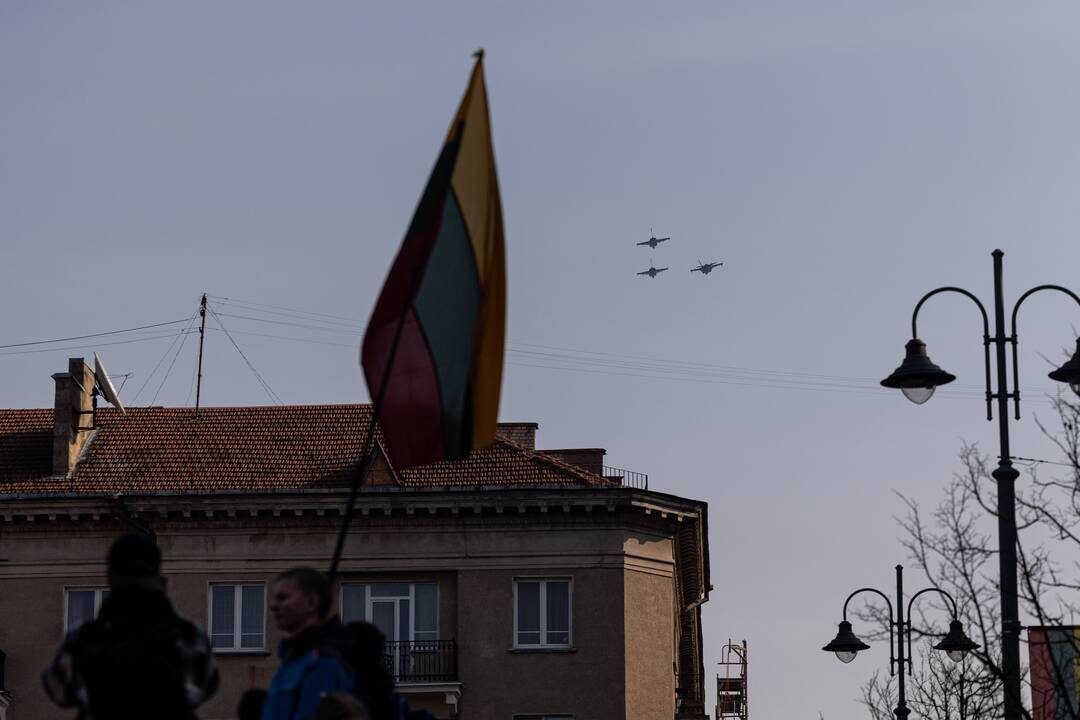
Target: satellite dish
(105, 386)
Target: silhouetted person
(138, 659)
(251, 704)
(362, 647)
(340, 706)
(300, 602)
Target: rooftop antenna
(103, 385)
(202, 333)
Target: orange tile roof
(25, 444)
(158, 449)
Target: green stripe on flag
(447, 306)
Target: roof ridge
(581, 473)
(254, 447)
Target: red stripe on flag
(411, 413)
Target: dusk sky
(840, 158)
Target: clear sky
(841, 158)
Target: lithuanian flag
(1055, 677)
(433, 350)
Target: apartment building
(516, 584)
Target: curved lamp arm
(986, 334)
(947, 596)
(892, 621)
(952, 607)
(1016, 308)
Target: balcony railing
(627, 478)
(421, 661)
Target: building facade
(514, 584)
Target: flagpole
(369, 443)
(368, 456)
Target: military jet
(652, 271)
(653, 241)
(706, 268)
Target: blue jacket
(301, 681)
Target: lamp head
(1070, 371)
(917, 376)
(845, 644)
(956, 644)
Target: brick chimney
(588, 459)
(73, 414)
(522, 433)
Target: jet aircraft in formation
(652, 271)
(653, 241)
(706, 268)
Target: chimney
(588, 459)
(522, 433)
(73, 414)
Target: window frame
(368, 600)
(99, 598)
(238, 615)
(544, 580)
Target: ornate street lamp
(1070, 371)
(917, 377)
(955, 644)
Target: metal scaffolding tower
(731, 687)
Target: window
(405, 612)
(237, 617)
(542, 613)
(81, 605)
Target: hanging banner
(1055, 683)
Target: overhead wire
(265, 385)
(91, 345)
(522, 354)
(126, 376)
(287, 311)
(611, 360)
(672, 365)
(315, 457)
(340, 330)
(183, 332)
(91, 335)
(293, 339)
(1034, 461)
(567, 359)
(168, 372)
(653, 364)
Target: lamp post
(846, 645)
(917, 377)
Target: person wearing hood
(138, 658)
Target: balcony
(627, 478)
(421, 661)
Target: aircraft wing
(643, 243)
(697, 269)
(644, 273)
(660, 269)
(659, 240)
